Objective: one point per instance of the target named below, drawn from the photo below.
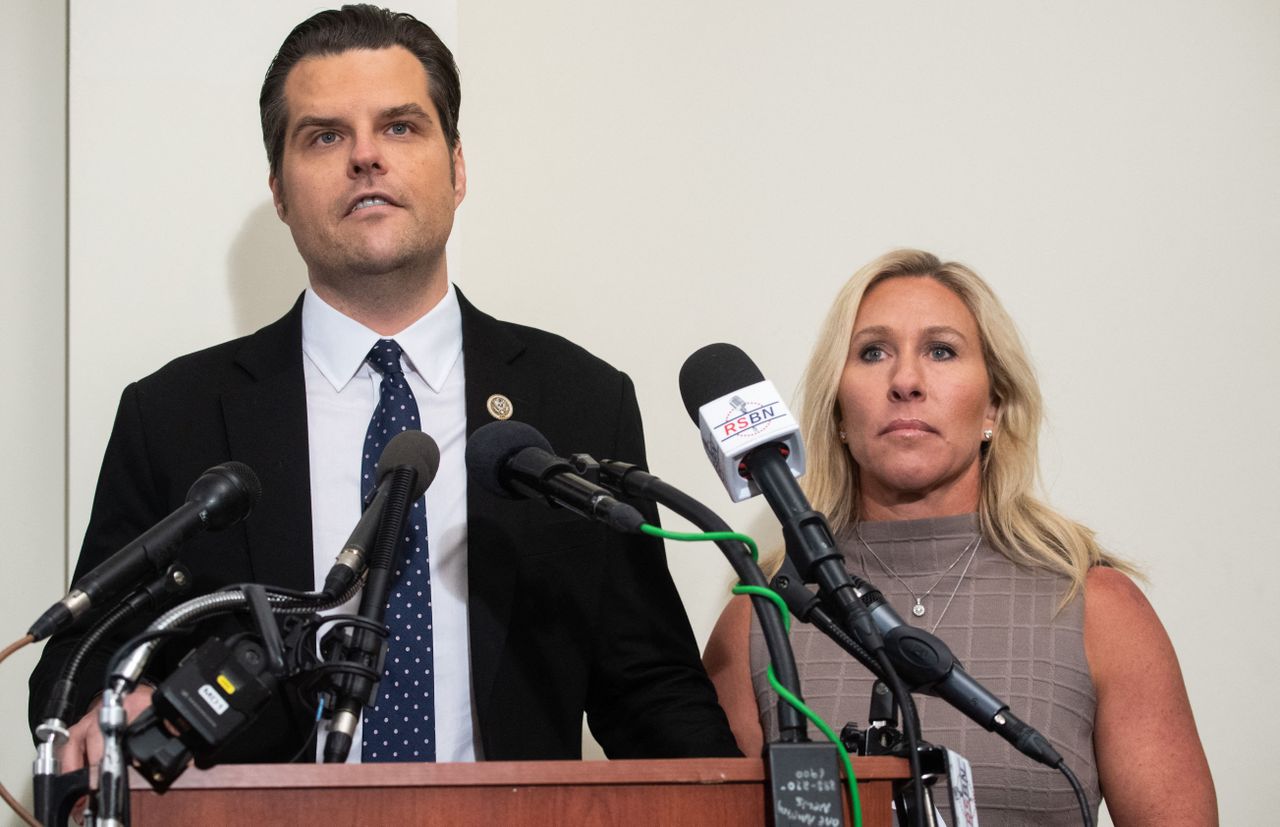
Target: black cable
(151, 595)
(883, 669)
(95, 634)
(309, 741)
(1086, 813)
(910, 730)
(332, 638)
(293, 594)
(806, 607)
(878, 664)
(61, 700)
(810, 544)
(634, 482)
(155, 634)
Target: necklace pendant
(918, 609)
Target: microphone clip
(586, 466)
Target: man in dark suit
(551, 616)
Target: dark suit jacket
(564, 615)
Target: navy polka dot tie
(401, 725)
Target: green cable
(761, 591)
(783, 692)
(696, 536)
(786, 695)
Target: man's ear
(277, 195)
(459, 176)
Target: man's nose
(366, 157)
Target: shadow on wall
(264, 272)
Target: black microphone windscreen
(226, 494)
(246, 478)
(492, 445)
(715, 371)
(415, 450)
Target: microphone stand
(793, 758)
(633, 481)
(809, 542)
(806, 607)
(130, 662)
(55, 794)
(882, 737)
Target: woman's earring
(986, 435)
(842, 435)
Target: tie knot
(385, 357)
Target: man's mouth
(372, 199)
(365, 203)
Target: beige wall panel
(32, 341)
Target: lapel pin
(499, 406)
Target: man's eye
(399, 129)
(327, 138)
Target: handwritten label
(806, 785)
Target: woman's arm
(728, 662)
(1151, 765)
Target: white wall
(669, 174)
(648, 178)
(32, 349)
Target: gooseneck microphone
(405, 470)
(222, 496)
(514, 460)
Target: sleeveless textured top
(1004, 626)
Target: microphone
(514, 460)
(737, 410)
(705, 382)
(406, 468)
(222, 496)
(927, 664)
(756, 448)
(417, 452)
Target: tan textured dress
(1004, 626)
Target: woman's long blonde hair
(1014, 521)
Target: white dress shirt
(342, 392)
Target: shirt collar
(338, 345)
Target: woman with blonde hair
(921, 416)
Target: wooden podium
(701, 791)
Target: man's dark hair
(358, 27)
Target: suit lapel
(267, 429)
(491, 353)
